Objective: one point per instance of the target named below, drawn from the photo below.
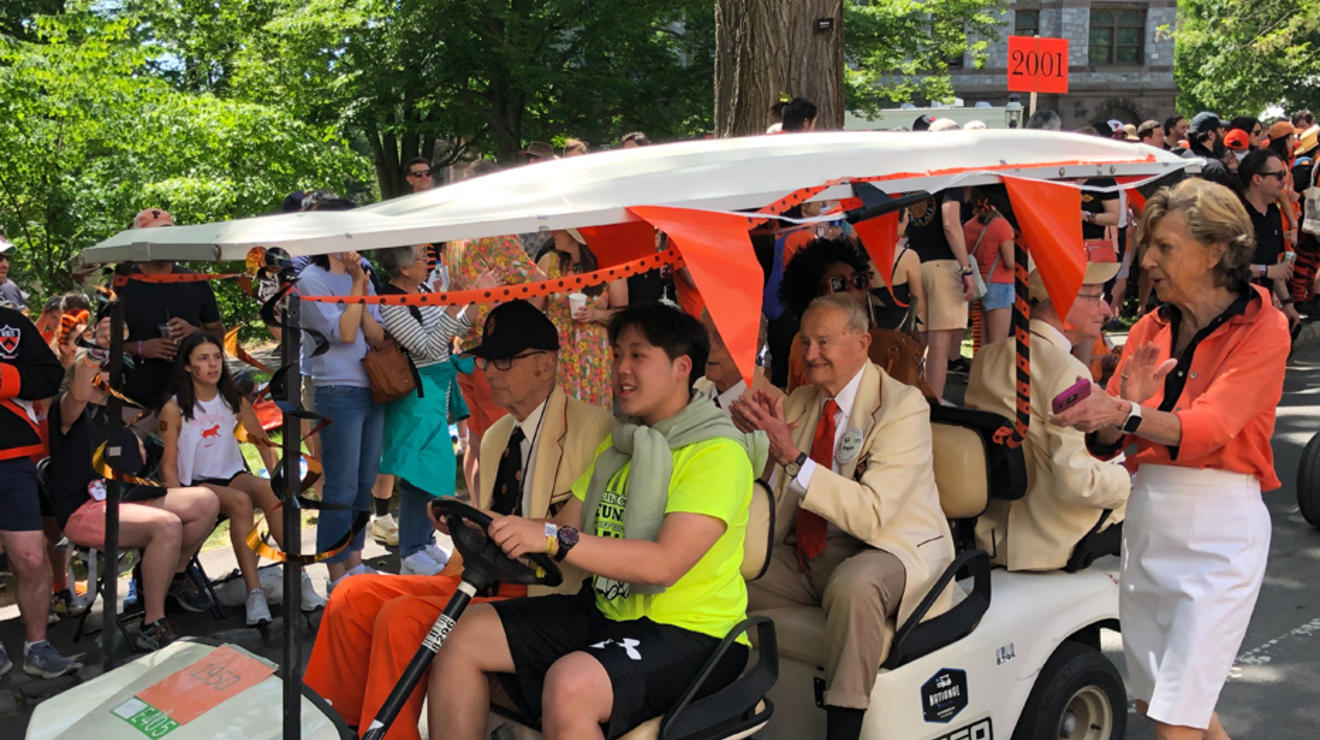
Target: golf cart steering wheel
(481, 554)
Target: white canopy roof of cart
(714, 174)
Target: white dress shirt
(529, 427)
(725, 400)
(845, 399)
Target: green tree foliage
(444, 78)
(897, 51)
(87, 140)
(1239, 57)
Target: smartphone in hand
(1071, 396)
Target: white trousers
(1195, 544)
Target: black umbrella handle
(421, 660)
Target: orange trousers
(369, 632)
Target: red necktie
(811, 528)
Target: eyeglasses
(1091, 296)
(1280, 174)
(839, 283)
(504, 363)
(419, 173)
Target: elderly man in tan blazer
(531, 456)
(1070, 493)
(859, 518)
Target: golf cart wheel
(1308, 482)
(1077, 696)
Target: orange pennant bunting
(1050, 216)
(616, 243)
(879, 236)
(566, 284)
(719, 257)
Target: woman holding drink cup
(580, 317)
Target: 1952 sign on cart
(1037, 64)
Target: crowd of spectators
(537, 394)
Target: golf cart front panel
(986, 675)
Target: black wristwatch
(795, 467)
(1133, 420)
(568, 537)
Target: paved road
(1274, 691)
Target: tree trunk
(765, 49)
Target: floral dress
(468, 258)
(584, 347)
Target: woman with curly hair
(826, 266)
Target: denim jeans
(350, 455)
(415, 528)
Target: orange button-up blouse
(1233, 385)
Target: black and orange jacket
(29, 371)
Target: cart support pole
(113, 493)
(421, 660)
(290, 344)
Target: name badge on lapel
(849, 446)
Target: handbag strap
(977, 246)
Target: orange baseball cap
(1237, 140)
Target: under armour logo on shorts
(628, 644)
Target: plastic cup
(1289, 257)
(166, 331)
(576, 301)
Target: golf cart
(960, 674)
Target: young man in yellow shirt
(662, 512)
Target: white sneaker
(420, 563)
(258, 612)
(439, 554)
(385, 530)
(356, 570)
(311, 601)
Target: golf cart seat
(970, 469)
(739, 709)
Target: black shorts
(650, 665)
(217, 481)
(20, 505)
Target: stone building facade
(1120, 59)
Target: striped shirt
(426, 332)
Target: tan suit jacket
(885, 496)
(570, 433)
(1067, 488)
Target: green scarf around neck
(650, 448)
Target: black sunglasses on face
(419, 173)
(504, 363)
(1280, 174)
(839, 283)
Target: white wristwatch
(1133, 419)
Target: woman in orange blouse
(1196, 390)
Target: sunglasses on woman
(840, 283)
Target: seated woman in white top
(197, 426)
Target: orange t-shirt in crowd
(796, 240)
(1234, 383)
(986, 249)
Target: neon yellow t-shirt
(713, 478)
